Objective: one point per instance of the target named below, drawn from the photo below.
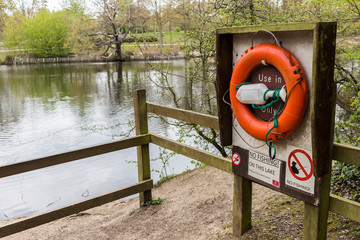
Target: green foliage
(165, 179)
(348, 128)
(45, 34)
(347, 77)
(139, 38)
(156, 201)
(164, 156)
(76, 7)
(12, 34)
(78, 39)
(345, 181)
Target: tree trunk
(118, 52)
(119, 56)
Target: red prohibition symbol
(236, 159)
(294, 160)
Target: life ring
(296, 102)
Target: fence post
(315, 217)
(143, 155)
(241, 205)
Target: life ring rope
(276, 40)
(276, 98)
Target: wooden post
(315, 217)
(322, 116)
(242, 205)
(224, 67)
(143, 154)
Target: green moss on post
(143, 154)
(315, 217)
(242, 205)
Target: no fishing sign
(299, 170)
(236, 159)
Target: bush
(345, 181)
(45, 34)
(147, 38)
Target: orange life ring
(296, 103)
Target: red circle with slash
(236, 159)
(300, 157)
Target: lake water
(49, 109)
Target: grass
(2, 56)
(168, 37)
(154, 201)
(283, 216)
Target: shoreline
(11, 61)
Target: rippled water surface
(49, 109)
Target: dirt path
(197, 205)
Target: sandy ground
(197, 205)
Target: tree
(199, 45)
(159, 22)
(45, 34)
(116, 19)
(79, 25)
(5, 6)
(29, 9)
(76, 7)
(12, 34)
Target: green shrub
(147, 38)
(153, 201)
(345, 181)
(45, 34)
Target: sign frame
(322, 115)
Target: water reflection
(48, 109)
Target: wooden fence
(351, 155)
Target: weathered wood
(39, 163)
(43, 218)
(194, 153)
(143, 152)
(345, 207)
(315, 217)
(272, 28)
(323, 97)
(347, 154)
(322, 117)
(242, 204)
(224, 67)
(184, 115)
(140, 110)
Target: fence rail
(213, 160)
(184, 115)
(43, 218)
(347, 154)
(49, 161)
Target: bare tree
(116, 19)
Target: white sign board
(299, 170)
(264, 168)
(300, 44)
